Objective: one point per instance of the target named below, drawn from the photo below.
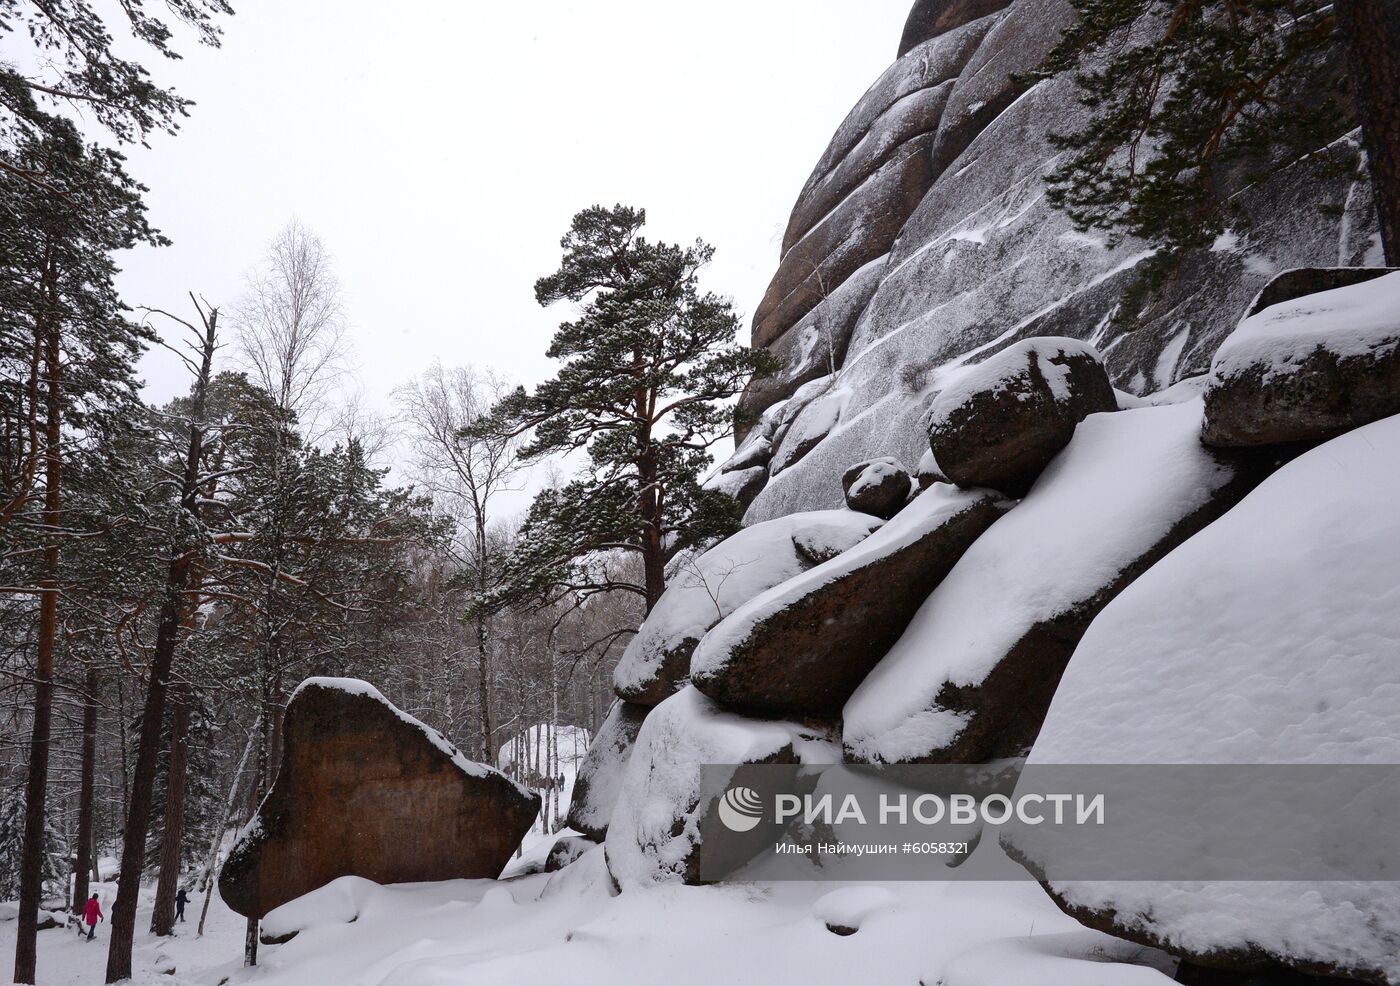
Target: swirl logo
(740, 809)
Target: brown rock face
(930, 18)
(1014, 413)
(858, 231)
(873, 174)
(879, 487)
(366, 790)
(1315, 397)
(599, 777)
(803, 652)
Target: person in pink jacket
(92, 913)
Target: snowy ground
(65, 959)
(538, 929)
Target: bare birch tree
(292, 327)
(465, 470)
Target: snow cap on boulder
(1000, 422)
(1308, 369)
(367, 790)
(975, 671)
(803, 646)
(1266, 638)
(707, 588)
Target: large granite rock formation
(367, 790)
(932, 190)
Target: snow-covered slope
(1270, 637)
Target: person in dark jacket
(181, 899)
(92, 913)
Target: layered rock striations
(930, 204)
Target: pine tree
(649, 365)
(1189, 101)
(73, 40)
(59, 304)
(12, 822)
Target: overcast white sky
(440, 148)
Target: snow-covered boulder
(367, 790)
(599, 777)
(926, 473)
(655, 834)
(803, 646)
(877, 486)
(707, 588)
(1300, 281)
(565, 850)
(1269, 637)
(755, 452)
(971, 678)
(999, 423)
(1308, 369)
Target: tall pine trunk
(1372, 32)
(31, 873)
(138, 812)
(163, 916)
(172, 612)
(85, 855)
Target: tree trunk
(31, 872)
(653, 550)
(1372, 32)
(85, 856)
(138, 812)
(163, 916)
(172, 612)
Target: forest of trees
(170, 571)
